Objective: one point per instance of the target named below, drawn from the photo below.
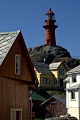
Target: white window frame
(13, 113)
(18, 73)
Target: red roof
(50, 12)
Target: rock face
(48, 54)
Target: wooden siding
(48, 76)
(56, 72)
(13, 94)
(8, 65)
(14, 89)
(65, 70)
(57, 109)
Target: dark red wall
(58, 109)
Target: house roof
(51, 99)
(74, 70)
(55, 65)
(6, 41)
(66, 79)
(62, 100)
(74, 87)
(38, 97)
(50, 12)
(42, 67)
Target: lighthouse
(50, 27)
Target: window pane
(72, 95)
(46, 81)
(17, 60)
(61, 72)
(74, 78)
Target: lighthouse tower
(50, 28)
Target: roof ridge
(56, 62)
(6, 43)
(3, 33)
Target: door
(18, 115)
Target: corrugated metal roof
(74, 70)
(42, 67)
(54, 66)
(6, 41)
(38, 97)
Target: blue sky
(29, 15)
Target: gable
(74, 70)
(62, 66)
(52, 99)
(6, 41)
(7, 67)
(55, 65)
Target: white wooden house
(73, 92)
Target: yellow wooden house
(59, 70)
(44, 75)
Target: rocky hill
(48, 54)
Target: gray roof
(42, 67)
(6, 41)
(54, 66)
(60, 99)
(74, 70)
(66, 79)
(74, 87)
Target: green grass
(57, 93)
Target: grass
(57, 93)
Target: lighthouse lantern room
(50, 28)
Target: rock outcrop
(48, 54)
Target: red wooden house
(54, 107)
(16, 75)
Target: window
(46, 81)
(16, 114)
(74, 78)
(61, 72)
(52, 103)
(72, 95)
(17, 64)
